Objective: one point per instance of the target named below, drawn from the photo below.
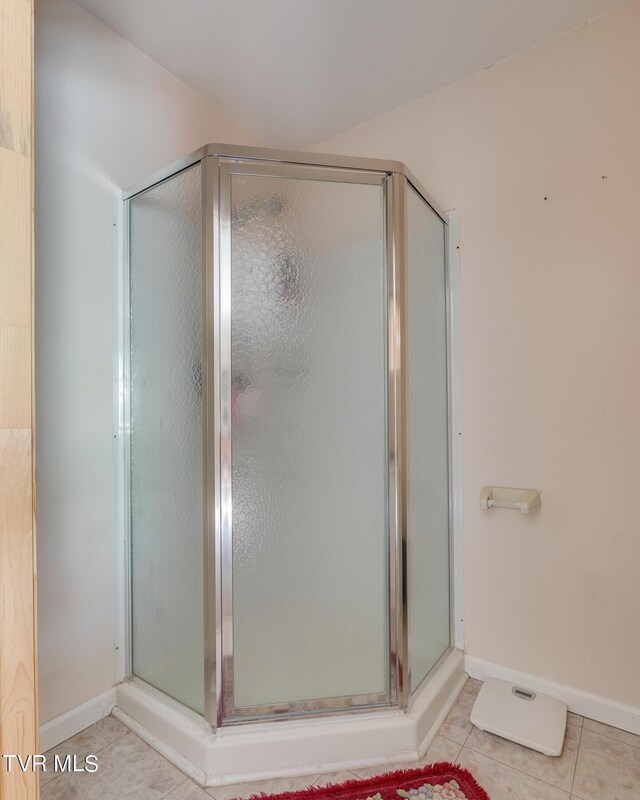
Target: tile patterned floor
(597, 763)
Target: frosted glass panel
(166, 437)
(427, 434)
(309, 440)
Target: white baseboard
(622, 716)
(76, 719)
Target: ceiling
(296, 72)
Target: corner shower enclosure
(285, 400)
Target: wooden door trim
(18, 650)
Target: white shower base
(260, 751)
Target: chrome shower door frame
(226, 710)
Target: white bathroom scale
(529, 718)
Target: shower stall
(286, 416)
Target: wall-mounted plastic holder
(524, 500)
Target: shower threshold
(293, 747)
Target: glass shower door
(427, 437)
(304, 456)
(166, 437)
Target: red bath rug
(441, 781)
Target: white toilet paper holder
(523, 500)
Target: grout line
(613, 738)
(126, 733)
(113, 742)
(95, 752)
(57, 747)
(265, 785)
(174, 788)
(521, 771)
(166, 760)
(155, 752)
(316, 778)
(575, 768)
(453, 741)
(58, 776)
(469, 734)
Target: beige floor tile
(128, 768)
(607, 769)
(574, 719)
(188, 791)
(473, 684)
(505, 783)
(612, 733)
(335, 777)
(59, 789)
(441, 749)
(457, 726)
(371, 772)
(274, 786)
(556, 771)
(88, 742)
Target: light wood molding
(18, 660)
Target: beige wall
(550, 332)
(106, 117)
